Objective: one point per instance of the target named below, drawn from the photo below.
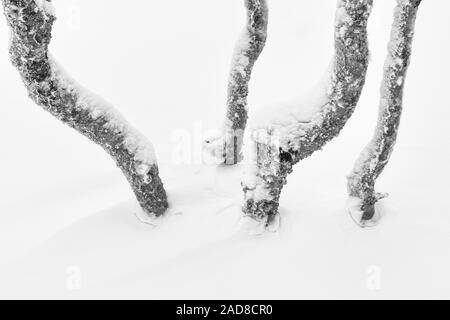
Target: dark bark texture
(31, 25)
(373, 159)
(275, 159)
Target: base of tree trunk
(226, 147)
(363, 214)
(253, 227)
(266, 177)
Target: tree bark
(31, 25)
(272, 151)
(373, 159)
(228, 145)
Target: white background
(67, 227)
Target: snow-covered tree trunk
(31, 24)
(228, 145)
(361, 182)
(273, 149)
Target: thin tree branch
(373, 159)
(228, 145)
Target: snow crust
(205, 249)
(136, 143)
(240, 61)
(300, 110)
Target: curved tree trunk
(228, 146)
(272, 150)
(361, 182)
(31, 25)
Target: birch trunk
(31, 26)
(272, 150)
(373, 159)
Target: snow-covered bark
(373, 159)
(227, 145)
(288, 134)
(31, 25)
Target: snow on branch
(227, 145)
(373, 159)
(49, 86)
(282, 136)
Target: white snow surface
(47, 6)
(68, 226)
(298, 110)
